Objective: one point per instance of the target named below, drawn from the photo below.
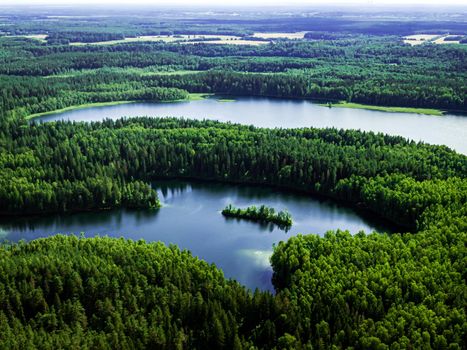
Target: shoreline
(192, 97)
(388, 109)
(363, 211)
(231, 98)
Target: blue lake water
(191, 218)
(450, 129)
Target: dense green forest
(102, 293)
(368, 291)
(369, 70)
(261, 213)
(391, 176)
(337, 289)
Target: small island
(263, 213)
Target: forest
(368, 70)
(67, 166)
(336, 290)
(403, 290)
(391, 176)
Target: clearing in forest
(419, 39)
(296, 35)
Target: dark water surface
(191, 218)
(450, 130)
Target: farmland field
(296, 35)
(419, 39)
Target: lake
(191, 219)
(450, 129)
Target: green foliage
(263, 213)
(103, 293)
(334, 291)
(403, 199)
(375, 291)
(366, 70)
(71, 166)
(27, 195)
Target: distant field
(184, 39)
(40, 37)
(229, 42)
(296, 35)
(165, 38)
(419, 39)
(443, 41)
(187, 39)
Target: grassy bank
(197, 96)
(70, 108)
(191, 97)
(202, 96)
(427, 111)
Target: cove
(190, 218)
(449, 130)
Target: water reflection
(262, 225)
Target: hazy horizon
(239, 3)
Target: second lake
(191, 218)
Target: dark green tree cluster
(26, 96)
(100, 293)
(391, 176)
(26, 195)
(29, 186)
(84, 37)
(262, 213)
(402, 198)
(376, 291)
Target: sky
(238, 2)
